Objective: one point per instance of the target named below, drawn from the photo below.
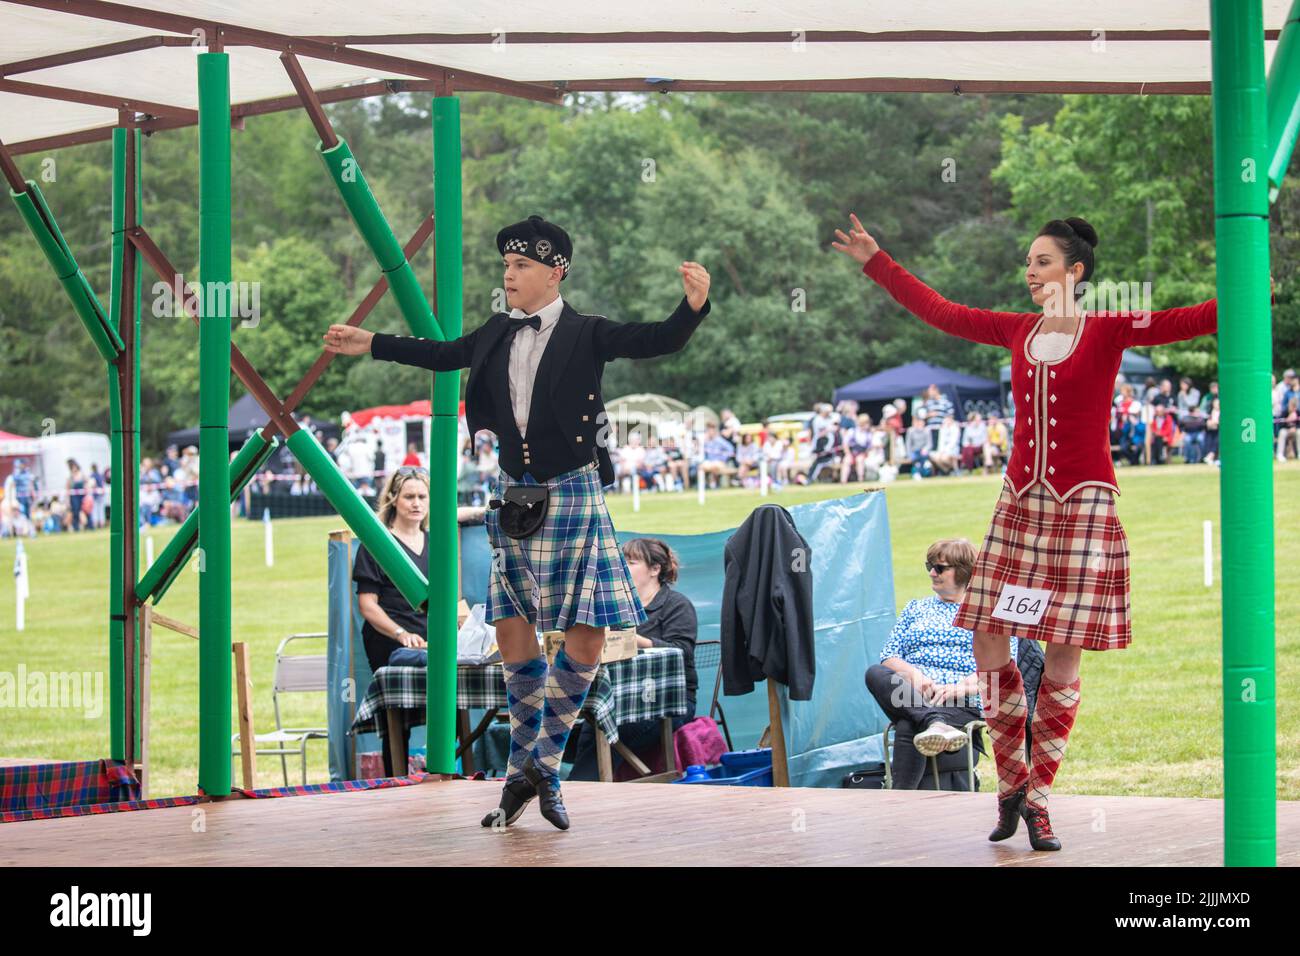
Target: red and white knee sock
(1002, 692)
(1054, 714)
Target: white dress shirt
(526, 355)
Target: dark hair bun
(1084, 230)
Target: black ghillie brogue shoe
(1041, 836)
(1009, 811)
(515, 795)
(550, 800)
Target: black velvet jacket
(566, 417)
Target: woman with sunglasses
(926, 680)
(1055, 562)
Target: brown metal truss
(281, 421)
(776, 36)
(69, 95)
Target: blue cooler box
(740, 768)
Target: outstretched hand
(857, 244)
(347, 340)
(695, 283)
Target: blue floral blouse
(924, 636)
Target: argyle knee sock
(525, 682)
(1054, 714)
(566, 689)
(1002, 692)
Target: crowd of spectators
(926, 437)
(1151, 424)
(27, 508)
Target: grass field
(1150, 720)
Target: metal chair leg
(884, 739)
(971, 729)
(715, 706)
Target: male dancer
(534, 381)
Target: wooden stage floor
(437, 822)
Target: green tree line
(751, 185)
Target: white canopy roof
(545, 47)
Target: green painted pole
(1283, 100)
(1246, 483)
(364, 209)
(116, 545)
(32, 207)
(444, 531)
(214, 411)
(359, 516)
(125, 444)
(133, 519)
(160, 575)
(116, 602)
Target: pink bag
(698, 741)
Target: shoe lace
(550, 783)
(1037, 818)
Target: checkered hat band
(521, 246)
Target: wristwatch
(398, 633)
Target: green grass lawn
(1150, 720)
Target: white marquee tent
(69, 66)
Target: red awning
(421, 409)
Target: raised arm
(1166, 325)
(647, 339)
(424, 353)
(403, 349)
(977, 325)
(1171, 325)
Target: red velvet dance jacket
(1062, 431)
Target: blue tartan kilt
(572, 570)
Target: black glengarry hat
(537, 239)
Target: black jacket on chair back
(567, 423)
(767, 605)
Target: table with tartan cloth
(649, 686)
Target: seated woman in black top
(671, 622)
(390, 622)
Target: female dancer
(1055, 562)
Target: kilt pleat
(572, 571)
(1077, 549)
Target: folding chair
(970, 729)
(296, 673)
(709, 654)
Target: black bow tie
(535, 321)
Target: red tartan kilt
(1077, 549)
